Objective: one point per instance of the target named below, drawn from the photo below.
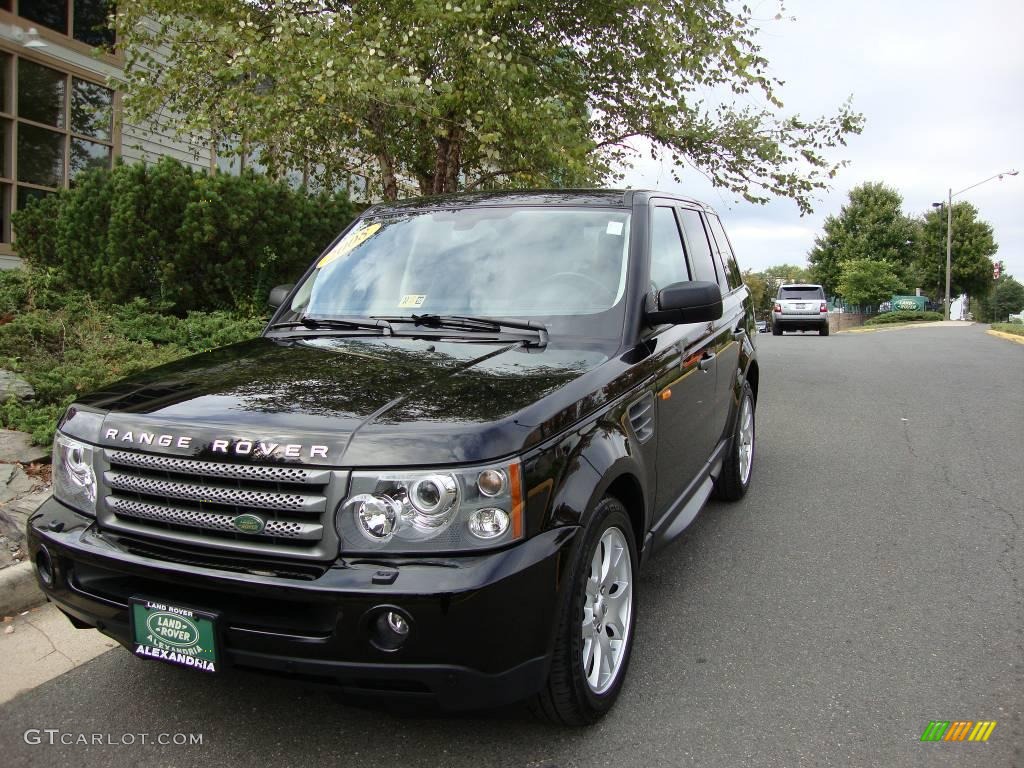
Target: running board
(689, 512)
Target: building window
(83, 20)
(53, 125)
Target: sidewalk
(41, 644)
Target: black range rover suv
(438, 471)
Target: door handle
(705, 361)
(739, 332)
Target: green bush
(181, 239)
(904, 316)
(1015, 328)
(65, 343)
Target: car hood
(344, 401)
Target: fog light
(389, 630)
(397, 623)
(488, 523)
(44, 567)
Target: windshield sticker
(348, 243)
(614, 228)
(412, 300)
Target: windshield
(805, 292)
(507, 262)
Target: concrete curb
(19, 590)
(1007, 336)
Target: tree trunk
(440, 164)
(451, 181)
(389, 182)
(448, 162)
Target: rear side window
(697, 246)
(668, 265)
(725, 254)
(807, 292)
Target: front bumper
(481, 627)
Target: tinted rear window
(801, 292)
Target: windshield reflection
(497, 261)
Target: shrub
(904, 316)
(65, 343)
(180, 239)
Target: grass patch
(64, 343)
(904, 316)
(1017, 329)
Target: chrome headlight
(74, 479)
(437, 511)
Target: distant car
(800, 307)
(762, 326)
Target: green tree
(784, 273)
(461, 95)
(972, 252)
(1007, 298)
(758, 288)
(870, 226)
(868, 282)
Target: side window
(668, 264)
(728, 258)
(697, 246)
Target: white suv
(800, 307)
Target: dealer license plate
(174, 634)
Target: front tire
(738, 467)
(595, 632)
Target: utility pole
(949, 250)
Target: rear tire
(824, 330)
(776, 330)
(738, 467)
(595, 630)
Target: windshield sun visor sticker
(348, 243)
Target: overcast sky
(941, 85)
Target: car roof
(598, 198)
(800, 285)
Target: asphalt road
(869, 583)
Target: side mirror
(696, 301)
(279, 294)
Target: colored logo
(249, 524)
(958, 730)
(176, 631)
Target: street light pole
(949, 250)
(949, 230)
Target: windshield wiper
(326, 323)
(470, 323)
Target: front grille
(283, 529)
(200, 503)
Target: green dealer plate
(174, 634)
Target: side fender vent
(641, 417)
